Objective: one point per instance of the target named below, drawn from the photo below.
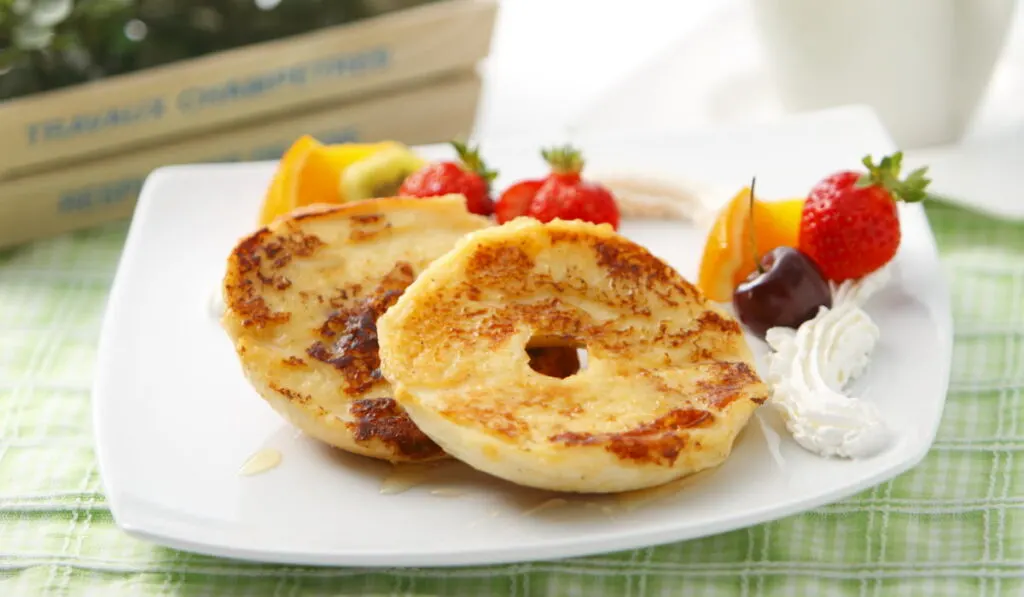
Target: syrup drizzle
(260, 462)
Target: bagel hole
(557, 361)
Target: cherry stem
(753, 229)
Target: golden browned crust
(509, 270)
(303, 296)
(670, 382)
(347, 340)
(256, 263)
(659, 441)
(382, 420)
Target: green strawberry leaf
(886, 174)
(563, 160)
(470, 158)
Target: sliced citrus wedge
(279, 200)
(310, 172)
(729, 249)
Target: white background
(592, 65)
(555, 63)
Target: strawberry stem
(753, 229)
(471, 160)
(886, 174)
(563, 160)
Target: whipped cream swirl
(811, 367)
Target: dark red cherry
(788, 292)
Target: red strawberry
(849, 225)
(565, 195)
(515, 201)
(469, 177)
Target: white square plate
(175, 418)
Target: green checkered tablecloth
(952, 526)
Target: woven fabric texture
(952, 526)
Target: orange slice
(279, 200)
(729, 252)
(778, 225)
(310, 172)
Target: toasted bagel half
(303, 296)
(669, 384)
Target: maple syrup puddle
(447, 492)
(402, 478)
(616, 503)
(439, 474)
(547, 505)
(260, 462)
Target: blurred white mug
(923, 65)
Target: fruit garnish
(468, 177)
(380, 174)
(786, 288)
(277, 201)
(515, 201)
(850, 226)
(308, 173)
(786, 291)
(728, 256)
(564, 194)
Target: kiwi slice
(380, 174)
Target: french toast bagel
(303, 295)
(669, 384)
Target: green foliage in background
(49, 44)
